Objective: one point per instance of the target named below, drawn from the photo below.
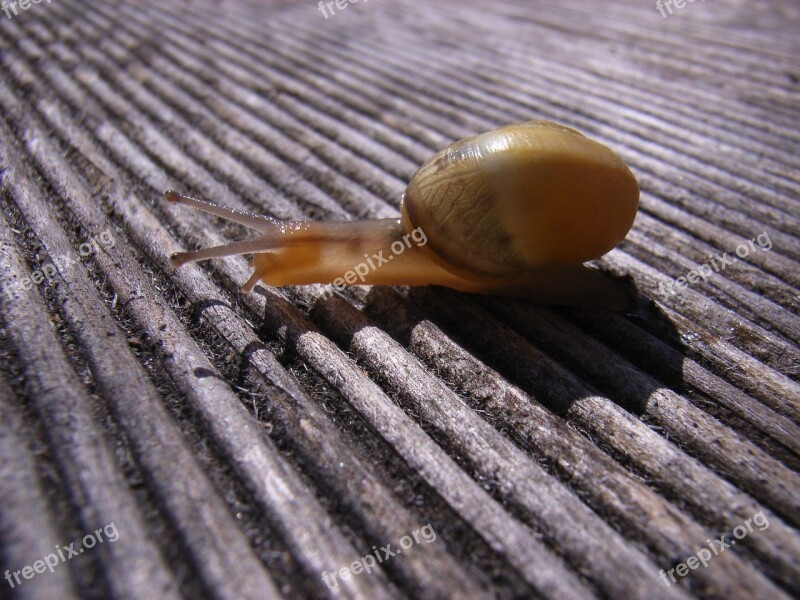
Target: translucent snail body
(515, 211)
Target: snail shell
(522, 196)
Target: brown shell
(522, 196)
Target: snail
(515, 211)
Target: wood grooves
(245, 445)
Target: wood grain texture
(251, 446)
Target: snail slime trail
(515, 211)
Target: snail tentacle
(260, 223)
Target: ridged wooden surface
(244, 445)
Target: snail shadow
(558, 355)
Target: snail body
(515, 211)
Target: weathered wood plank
(248, 446)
